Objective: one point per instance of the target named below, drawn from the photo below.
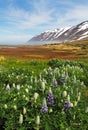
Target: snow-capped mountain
(77, 32)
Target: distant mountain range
(77, 32)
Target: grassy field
(77, 50)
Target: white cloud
(77, 13)
(72, 16)
(25, 19)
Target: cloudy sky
(22, 19)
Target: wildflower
(14, 85)
(18, 93)
(32, 72)
(78, 99)
(62, 80)
(24, 110)
(15, 107)
(36, 96)
(82, 83)
(5, 106)
(56, 70)
(20, 119)
(18, 87)
(71, 104)
(50, 98)
(68, 97)
(66, 129)
(17, 77)
(53, 79)
(55, 84)
(27, 98)
(35, 80)
(9, 76)
(75, 103)
(86, 110)
(74, 79)
(26, 90)
(64, 94)
(74, 117)
(50, 110)
(71, 91)
(2, 58)
(8, 87)
(79, 93)
(61, 100)
(44, 80)
(44, 108)
(49, 71)
(31, 79)
(30, 87)
(43, 86)
(37, 120)
(45, 71)
(23, 96)
(15, 99)
(67, 106)
(67, 76)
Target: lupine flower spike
(37, 120)
(44, 108)
(20, 119)
(67, 106)
(50, 98)
(7, 87)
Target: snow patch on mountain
(82, 37)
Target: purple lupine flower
(50, 98)
(67, 106)
(55, 84)
(62, 80)
(44, 108)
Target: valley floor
(69, 51)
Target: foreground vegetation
(43, 95)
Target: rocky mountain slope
(77, 32)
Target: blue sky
(22, 19)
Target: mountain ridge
(77, 32)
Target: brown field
(73, 51)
